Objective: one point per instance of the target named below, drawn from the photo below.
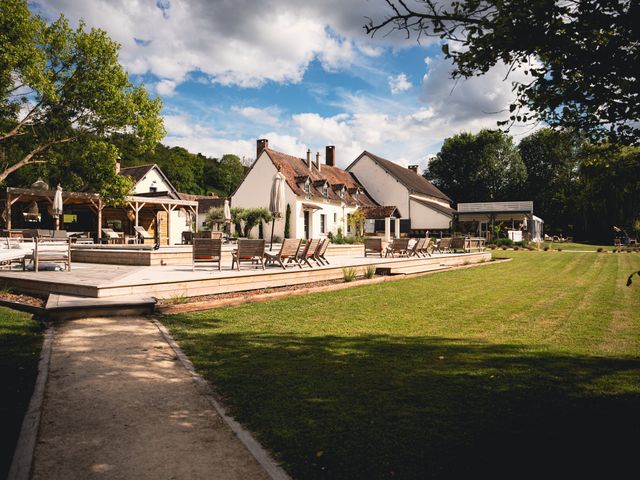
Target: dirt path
(119, 405)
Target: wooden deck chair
(288, 252)
(398, 246)
(143, 235)
(458, 243)
(111, 235)
(60, 235)
(248, 251)
(416, 250)
(12, 252)
(428, 244)
(321, 251)
(372, 246)
(52, 251)
(308, 251)
(445, 245)
(207, 250)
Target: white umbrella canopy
(525, 222)
(56, 209)
(276, 201)
(226, 211)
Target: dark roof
(435, 206)
(295, 169)
(379, 211)
(414, 182)
(136, 172)
(205, 202)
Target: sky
(302, 74)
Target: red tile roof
(295, 170)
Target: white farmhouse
(419, 203)
(321, 196)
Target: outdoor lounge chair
(308, 251)
(428, 244)
(416, 249)
(372, 246)
(248, 251)
(13, 251)
(111, 236)
(52, 251)
(206, 250)
(288, 252)
(445, 245)
(143, 235)
(459, 244)
(321, 251)
(399, 246)
(60, 235)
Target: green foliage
(253, 217)
(287, 222)
(230, 173)
(482, 167)
(561, 46)
(356, 222)
(370, 271)
(214, 215)
(349, 274)
(71, 86)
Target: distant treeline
(577, 188)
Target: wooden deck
(98, 280)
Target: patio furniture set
(421, 247)
(292, 252)
(141, 236)
(35, 251)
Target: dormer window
(307, 186)
(341, 193)
(154, 187)
(325, 190)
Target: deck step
(408, 270)
(67, 307)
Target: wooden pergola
(96, 203)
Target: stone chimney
(309, 158)
(261, 144)
(414, 169)
(330, 155)
(318, 161)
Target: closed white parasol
(56, 208)
(276, 201)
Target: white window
(323, 223)
(307, 186)
(325, 190)
(341, 193)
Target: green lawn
(20, 343)
(576, 246)
(525, 368)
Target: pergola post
(387, 229)
(168, 208)
(8, 210)
(397, 227)
(100, 207)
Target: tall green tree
(230, 173)
(609, 190)
(482, 167)
(60, 85)
(552, 159)
(581, 56)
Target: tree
(476, 168)
(582, 56)
(253, 217)
(230, 173)
(552, 159)
(287, 222)
(59, 85)
(609, 190)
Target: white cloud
(166, 87)
(399, 83)
(244, 42)
(265, 116)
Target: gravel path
(118, 405)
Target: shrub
(600, 249)
(546, 248)
(370, 271)
(287, 222)
(504, 248)
(558, 249)
(516, 247)
(349, 274)
(502, 242)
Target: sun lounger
(308, 251)
(13, 252)
(52, 251)
(445, 245)
(206, 250)
(428, 244)
(372, 246)
(288, 252)
(143, 235)
(111, 236)
(458, 244)
(399, 246)
(248, 251)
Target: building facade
(320, 195)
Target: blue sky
(302, 74)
